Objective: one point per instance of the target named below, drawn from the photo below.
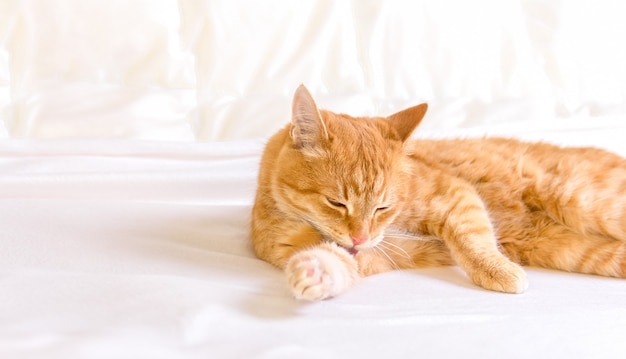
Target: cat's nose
(358, 238)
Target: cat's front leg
(321, 272)
(460, 219)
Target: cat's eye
(382, 209)
(335, 203)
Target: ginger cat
(342, 197)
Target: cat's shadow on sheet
(452, 275)
(275, 302)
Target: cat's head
(345, 176)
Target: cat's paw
(502, 276)
(309, 278)
(320, 273)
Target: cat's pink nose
(358, 239)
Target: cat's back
(472, 152)
(512, 175)
(491, 159)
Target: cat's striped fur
(342, 197)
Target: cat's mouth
(351, 250)
(354, 251)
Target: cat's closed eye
(335, 203)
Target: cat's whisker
(380, 250)
(395, 248)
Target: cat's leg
(557, 246)
(458, 216)
(321, 272)
(586, 193)
(314, 269)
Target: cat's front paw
(308, 277)
(503, 276)
(320, 273)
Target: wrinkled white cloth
(220, 69)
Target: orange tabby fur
(342, 197)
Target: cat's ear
(405, 121)
(308, 131)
